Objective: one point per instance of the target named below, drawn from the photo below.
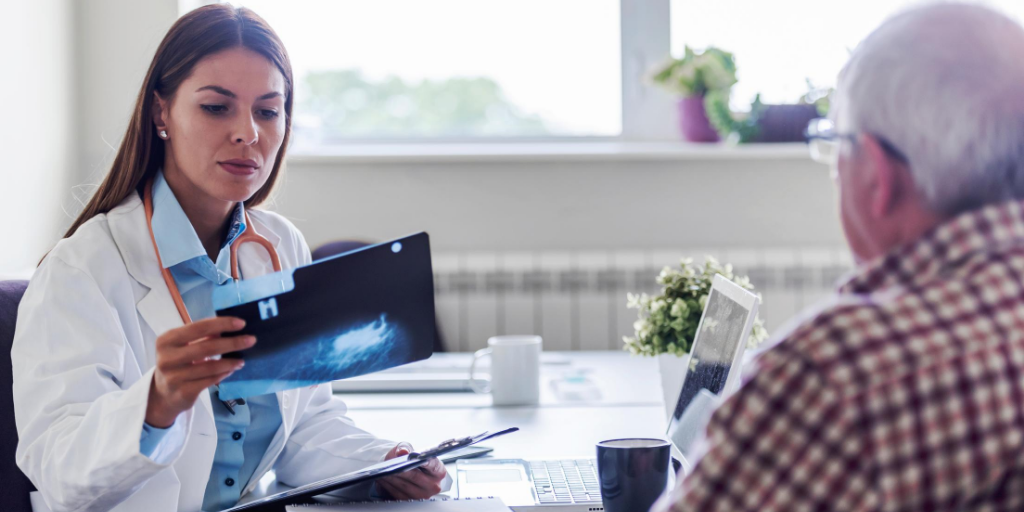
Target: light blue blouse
(242, 437)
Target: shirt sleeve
(159, 444)
(785, 441)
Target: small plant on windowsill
(694, 77)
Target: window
(780, 45)
(450, 69)
(501, 70)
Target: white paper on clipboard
(389, 467)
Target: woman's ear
(161, 110)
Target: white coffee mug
(515, 370)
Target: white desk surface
(620, 379)
(629, 406)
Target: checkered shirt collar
(986, 229)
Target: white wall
(576, 205)
(115, 42)
(39, 115)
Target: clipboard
(348, 315)
(304, 494)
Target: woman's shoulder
(274, 221)
(290, 236)
(92, 241)
(93, 245)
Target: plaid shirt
(904, 392)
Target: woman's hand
(184, 368)
(415, 484)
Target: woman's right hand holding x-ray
(187, 364)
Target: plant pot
(672, 369)
(693, 121)
(784, 123)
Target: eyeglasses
(823, 142)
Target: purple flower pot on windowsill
(693, 121)
(784, 123)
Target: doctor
(114, 383)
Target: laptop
(572, 484)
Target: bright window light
(781, 44)
(450, 69)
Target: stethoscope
(249, 235)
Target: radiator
(577, 300)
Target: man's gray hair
(944, 83)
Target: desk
(629, 405)
(621, 379)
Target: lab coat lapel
(131, 234)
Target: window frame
(648, 114)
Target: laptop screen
(715, 350)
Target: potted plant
(667, 323)
(693, 77)
(767, 123)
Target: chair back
(14, 485)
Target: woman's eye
(268, 113)
(215, 109)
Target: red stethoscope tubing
(249, 235)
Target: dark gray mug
(632, 472)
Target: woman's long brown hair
(201, 32)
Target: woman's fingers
(183, 367)
(189, 382)
(201, 350)
(416, 483)
(397, 491)
(205, 328)
(208, 369)
(191, 389)
(402, 448)
(435, 468)
(216, 347)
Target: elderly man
(905, 392)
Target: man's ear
(885, 182)
(160, 111)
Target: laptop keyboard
(566, 481)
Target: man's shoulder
(848, 335)
(839, 335)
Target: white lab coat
(84, 354)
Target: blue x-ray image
(341, 317)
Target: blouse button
(229, 482)
(236, 436)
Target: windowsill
(544, 152)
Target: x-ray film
(349, 315)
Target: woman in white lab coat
(112, 379)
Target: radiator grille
(577, 300)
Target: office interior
(572, 189)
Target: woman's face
(225, 124)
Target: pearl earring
(163, 134)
